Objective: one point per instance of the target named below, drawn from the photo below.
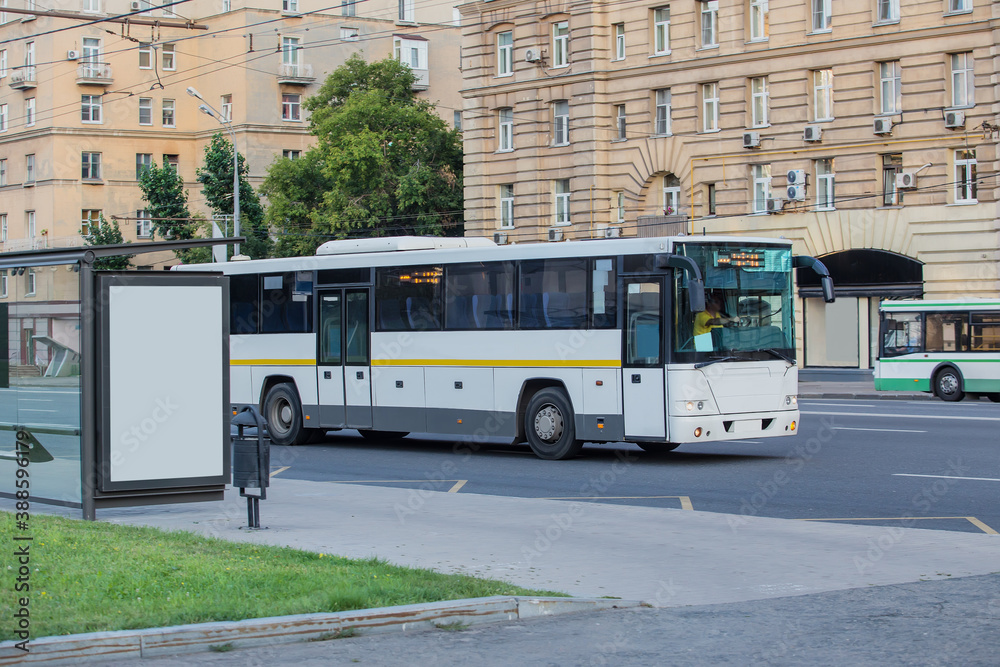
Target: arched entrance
(844, 334)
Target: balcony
(295, 74)
(651, 226)
(23, 78)
(94, 74)
(41, 242)
(423, 81)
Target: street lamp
(208, 110)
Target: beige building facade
(864, 131)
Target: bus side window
(244, 302)
(902, 334)
(985, 332)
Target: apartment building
(89, 99)
(865, 131)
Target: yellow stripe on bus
(610, 363)
(272, 362)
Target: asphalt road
(924, 464)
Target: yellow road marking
(279, 470)
(685, 500)
(458, 486)
(971, 519)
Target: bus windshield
(748, 313)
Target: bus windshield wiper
(786, 358)
(714, 360)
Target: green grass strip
(88, 577)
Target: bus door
(643, 379)
(344, 364)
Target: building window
(350, 34)
(227, 6)
(457, 119)
(3, 63)
(29, 168)
(143, 161)
(664, 99)
(29, 112)
(29, 223)
(507, 206)
(406, 13)
(671, 194)
(3, 228)
(761, 187)
(90, 108)
(562, 201)
(620, 124)
(31, 282)
(145, 56)
(290, 107)
(758, 102)
(348, 8)
(3, 273)
(955, 6)
(3, 172)
(710, 107)
(413, 52)
(661, 31)
(506, 123)
(169, 61)
(759, 24)
(963, 83)
(892, 164)
(505, 53)
(291, 51)
(823, 94)
(966, 190)
(822, 19)
(291, 154)
(709, 23)
(888, 11)
(143, 224)
(168, 113)
(619, 207)
(619, 41)
(890, 87)
(91, 166)
(145, 111)
(171, 159)
(560, 123)
(825, 185)
(226, 107)
(90, 221)
(3, 117)
(560, 44)
(289, 5)
(711, 198)
(29, 57)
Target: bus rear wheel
(283, 412)
(549, 424)
(948, 385)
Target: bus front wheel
(948, 385)
(283, 412)
(548, 422)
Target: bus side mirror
(826, 282)
(696, 295)
(696, 286)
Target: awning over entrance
(866, 272)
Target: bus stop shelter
(114, 386)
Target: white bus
(949, 348)
(555, 344)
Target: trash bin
(251, 461)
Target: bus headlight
(691, 405)
(791, 401)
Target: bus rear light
(600, 383)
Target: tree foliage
(216, 177)
(109, 233)
(385, 163)
(166, 202)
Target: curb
(202, 637)
(868, 397)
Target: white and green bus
(950, 348)
(553, 344)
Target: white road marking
(892, 416)
(978, 479)
(845, 404)
(35, 410)
(886, 430)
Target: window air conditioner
(796, 192)
(796, 177)
(72, 55)
(751, 140)
(906, 179)
(612, 232)
(882, 126)
(812, 133)
(500, 238)
(136, 6)
(555, 234)
(775, 205)
(954, 119)
(532, 55)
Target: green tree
(166, 201)
(109, 233)
(216, 178)
(386, 162)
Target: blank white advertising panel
(165, 383)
